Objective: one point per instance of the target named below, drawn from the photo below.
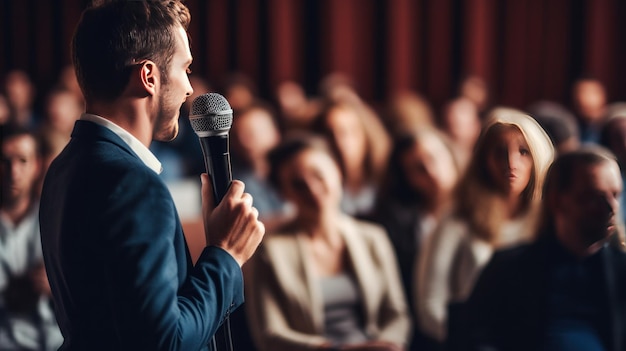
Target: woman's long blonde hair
(478, 201)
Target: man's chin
(167, 135)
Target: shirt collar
(146, 156)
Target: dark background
(525, 49)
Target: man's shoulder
(515, 253)
(104, 156)
(516, 264)
(98, 168)
(617, 255)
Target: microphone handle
(217, 163)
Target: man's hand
(233, 225)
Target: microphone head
(210, 115)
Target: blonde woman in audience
(496, 207)
(325, 281)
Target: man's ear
(149, 77)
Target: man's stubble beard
(162, 131)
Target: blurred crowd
(380, 218)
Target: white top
(20, 252)
(449, 265)
(140, 149)
(20, 245)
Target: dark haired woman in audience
(414, 197)
(326, 281)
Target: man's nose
(610, 204)
(15, 170)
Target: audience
(615, 109)
(240, 91)
(27, 319)
(5, 112)
(613, 137)
(338, 88)
(253, 134)
(67, 81)
(475, 88)
(558, 122)
(344, 126)
(566, 291)
(325, 281)
(421, 175)
(460, 120)
(443, 202)
(495, 207)
(62, 109)
(20, 94)
(296, 110)
(589, 102)
(408, 111)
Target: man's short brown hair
(114, 35)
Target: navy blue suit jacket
(119, 267)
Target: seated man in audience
(567, 290)
(27, 320)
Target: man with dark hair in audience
(120, 269)
(567, 290)
(27, 320)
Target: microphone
(211, 118)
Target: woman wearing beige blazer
(326, 281)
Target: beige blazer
(284, 301)
(449, 264)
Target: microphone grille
(210, 112)
(209, 103)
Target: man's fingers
(235, 189)
(207, 191)
(247, 199)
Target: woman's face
(348, 133)
(311, 180)
(255, 133)
(509, 161)
(63, 110)
(429, 167)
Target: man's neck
(573, 243)
(16, 210)
(129, 115)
